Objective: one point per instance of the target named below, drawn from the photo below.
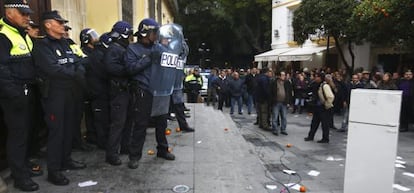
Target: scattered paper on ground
(293, 186)
(271, 187)
(198, 141)
(313, 173)
(400, 158)
(87, 183)
(331, 158)
(408, 174)
(399, 187)
(290, 172)
(399, 166)
(400, 162)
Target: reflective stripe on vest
(20, 47)
(77, 50)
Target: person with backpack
(323, 99)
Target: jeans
(239, 101)
(279, 109)
(250, 103)
(345, 119)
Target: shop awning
(301, 54)
(272, 55)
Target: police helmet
(105, 39)
(145, 26)
(121, 29)
(88, 35)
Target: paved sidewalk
(302, 157)
(212, 159)
(241, 158)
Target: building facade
(313, 53)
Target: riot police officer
(139, 61)
(17, 77)
(88, 38)
(98, 84)
(60, 69)
(119, 95)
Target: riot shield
(165, 59)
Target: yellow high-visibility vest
(20, 46)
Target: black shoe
(284, 133)
(255, 123)
(275, 133)
(133, 164)
(240, 113)
(73, 165)
(166, 155)
(188, 129)
(114, 160)
(57, 178)
(323, 141)
(27, 185)
(308, 139)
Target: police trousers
(61, 118)
(118, 117)
(18, 116)
(141, 118)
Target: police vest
(20, 47)
(20, 62)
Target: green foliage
(229, 27)
(323, 17)
(385, 22)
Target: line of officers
(109, 71)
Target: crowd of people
(321, 92)
(107, 79)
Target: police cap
(21, 5)
(52, 15)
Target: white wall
(362, 55)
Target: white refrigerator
(372, 141)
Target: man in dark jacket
(17, 75)
(61, 71)
(221, 85)
(263, 98)
(281, 97)
(251, 85)
(119, 97)
(98, 84)
(139, 65)
(407, 86)
(236, 89)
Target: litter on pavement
(408, 174)
(271, 187)
(313, 173)
(87, 183)
(399, 166)
(293, 186)
(331, 158)
(402, 188)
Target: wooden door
(38, 6)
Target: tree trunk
(351, 52)
(341, 54)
